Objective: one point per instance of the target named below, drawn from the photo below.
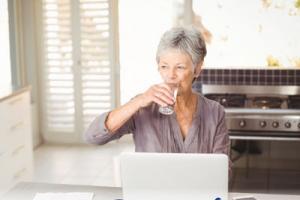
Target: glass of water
(169, 109)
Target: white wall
(30, 52)
(251, 33)
(5, 69)
(141, 24)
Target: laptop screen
(175, 176)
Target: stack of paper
(64, 196)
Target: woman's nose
(172, 73)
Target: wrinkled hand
(160, 94)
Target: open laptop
(174, 176)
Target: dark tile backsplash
(249, 77)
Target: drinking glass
(169, 109)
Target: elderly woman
(196, 126)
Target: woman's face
(177, 67)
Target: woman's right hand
(159, 93)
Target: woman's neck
(187, 100)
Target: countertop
(9, 91)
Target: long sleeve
(97, 133)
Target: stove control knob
(288, 124)
(262, 124)
(223, 101)
(275, 124)
(242, 123)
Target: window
(78, 65)
(5, 69)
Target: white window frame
(76, 137)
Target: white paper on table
(64, 196)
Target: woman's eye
(163, 66)
(180, 67)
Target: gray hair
(188, 40)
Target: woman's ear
(198, 70)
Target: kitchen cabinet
(16, 154)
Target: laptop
(174, 176)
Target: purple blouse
(154, 132)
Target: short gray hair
(186, 39)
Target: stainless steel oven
(259, 112)
(264, 129)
